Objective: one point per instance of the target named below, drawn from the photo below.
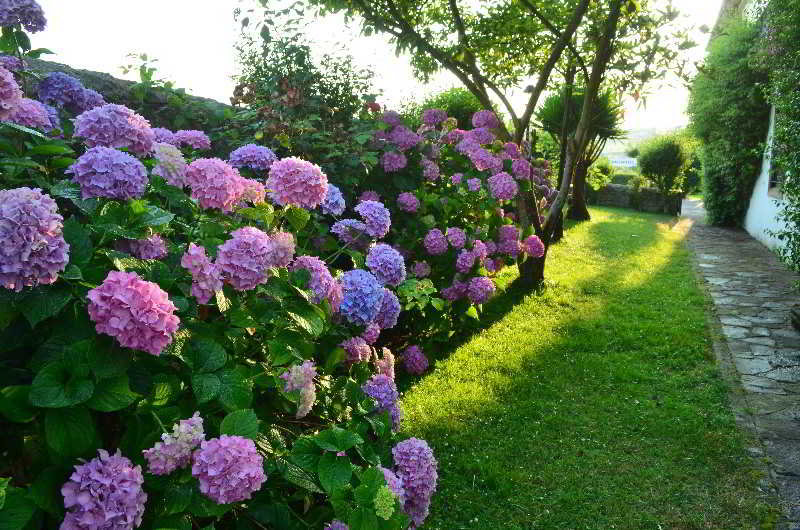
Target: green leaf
(240, 423)
(472, 312)
(263, 212)
(44, 302)
(206, 387)
(205, 355)
(46, 491)
(61, 162)
(438, 303)
(66, 189)
(61, 384)
(363, 518)
(334, 471)
(309, 318)
(297, 217)
(236, 390)
(305, 453)
(80, 243)
(50, 150)
(17, 510)
(155, 216)
(112, 394)
(3, 488)
(21, 128)
(70, 432)
(337, 439)
(202, 506)
(14, 404)
(180, 495)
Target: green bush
(459, 103)
(730, 116)
(601, 173)
(624, 177)
(663, 160)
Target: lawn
(595, 404)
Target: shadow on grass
(593, 404)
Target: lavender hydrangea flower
(206, 276)
(502, 186)
(60, 90)
(245, 258)
(392, 161)
(456, 237)
(87, 100)
(174, 451)
(193, 138)
(371, 333)
(321, 282)
(391, 117)
(281, 249)
(416, 466)
(386, 264)
(139, 314)
(376, 218)
(358, 351)
(32, 246)
(253, 156)
(301, 377)
(408, 202)
(369, 195)
(481, 135)
(389, 310)
(414, 360)
(521, 169)
(336, 525)
(533, 246)
(385, 364)
(435, 242)
(383, 390)
(228, 469)
(105, 493)
(215, 184)
(485, 118)
(421, 269)
(480, 250)
(512, 150)
(430, 170)
(480, 289)
(404, 138)
(165, 136)
(171, 165)
(28, 13)
(455, 292)
(297, 182)
(454, 137)
(473, 184)
(53, 114)
(334, 201)
(362, 296)
(106, 172)
(395, 484)
(484, 160)
(433, 117)
(31, 113)
(507, 232)
(456, 178)
(351, 232)
(12, 63)
(154, 247)
(10, 94)
(465, 261)
(115, 126)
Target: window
(776, 175)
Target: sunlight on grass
(594, 404)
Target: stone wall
(643, 199)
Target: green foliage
(730, 116)
(604, 123)
(459, 103)
(600, 174)
(663, 160)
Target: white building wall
(762, 213)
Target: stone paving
(753, 293)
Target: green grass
(595, 404)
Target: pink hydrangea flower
(296, 182)
(171, 165)
(301, 377)
(10, 94)
(206, 276)
(358, 351)
(281, 249)
(245, 258)
(174, 451)
(485, 118)
(215, 183)
(465, 261)
(228, 469)
(192, 138)
(31, 113)
(502, 186)
(154, 247)
(430, 170)
(533, 246)
(385, 364)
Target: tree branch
(549, 25)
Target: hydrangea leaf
(236, 389)
(306, 453)
(206, 387)
(61, 384)
(205, 355)
(17, 510)
(240, 423)
(337, 439)
(112, 394)
(334, 471)
(363, 519)
(14, 404)
(70, 432)
(180, 495)
(44, 302)
(202, 506)
(80, 244)
(46, 491)
(297, 217)
(3, 488)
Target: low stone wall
(643, 199)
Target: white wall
(762, 214)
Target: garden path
(753, 293)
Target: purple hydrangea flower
(174, 451)
(376, 218)
(395, 484)
(334, 201)
(414, 360)
(10, 94)
(507, 232)
(480, 250)
(28, 13)
(245, 258)
(480, 289)
(484, 160)
(11, 63)
(453, 137)
(433, 117)
(87, 100)
(60, 90)
(456, 237)
(105, 493)
(206, 276)
(521, 169)
(435, 242)
(301, 377)
(336, 524)
(32, 246)
(115, 126)
(481, 135)
(194, 139)
(321, 282)
(455, 292)
(31, 113)
(491, 247)
(512, 150)
(456, 178)
(281, 249)
(215, 184)
(382, 389)
(485, 118)
(392, 161)
(253, 156)
(533, 246)
(473, 184)
(502, 186)
(385, 364)
(171, 165)
(228, 469)
(53, 114)
(404, 138)
(389, 310)
(139, 314)
(297, 182)
(408, 202)
(421, 269)
(351, 232)
(430, 170)
(358, 351)
(369, 195)
(106, 172)
(371, 333)
(415, 465)
(165, 136)
(391, 117)
(465, 261)
(362, 296)
(154, 247)
(386, 264)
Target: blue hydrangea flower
(362, 296)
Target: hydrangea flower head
(521, 169)
(165, 136)
(87, 100)
(358, 351)
(245, 258)
(395, 484)
(456, 178)
(154, 247)
(105, 493)
(60, 90)
(31, 113)
(105, 172)
(465, 261)
(485, 118)
(336, 524)
(484, 160)
(32, 246)
(139, 314)
(455, 292)
(10, 94)
(206, 276)
(453, 137)
(215, 184)
(404, 138)
(193, 138)
(392, 161)
(433, 116)
(28, 13)
(115, 126)
(416, 466)
(435, 242)
(512, 150)
(385, 364)
(502, 186)
(456, 237)
(228, 469)
(253, 156)
(321, 282)
(481, 135)
(474, 184)
(389, 310)
(371, 333)
(171, 165)
(430, 170)
(362, 296)
(408, 202)
(333, 204)
(351, 232)
(421, 269)
(369, 195)
(533, 246)
(507, 232)
(392, 118)
(386, 264)
(414, 360)
(175, 449)
(12, 63)
(480, 289)
(301, 377)
(296, 182)
(383, 390)
(376, 218)
(480, 250)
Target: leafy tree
(664, 160)
(459, 103)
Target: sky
(194, 40)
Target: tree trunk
(577, 209)
(531, 273)
(558, 229)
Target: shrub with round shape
(362, 296)
(106, 172)
(193, 138)
(414, 360)
(389, 310)
(296, 182)
(206, 276)
(31, 113)
(245, 258)
(215, 184)
(416, 466)
(174, 451)
(333, 204)
(115, 126)
(104, 493)
(383, 390)
(321, 282)
(480, 289)
(253, 156)
(393, 161)
(435, 242)
(502, 186)
(533, 246)
(408, 202)
(171, 165)
(386, 264)
(138, 313)
(485, 118)
(376, 218)
(228, 469)
(28, 13)
(32, 246)
(10, 94)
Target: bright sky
(193, 41)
